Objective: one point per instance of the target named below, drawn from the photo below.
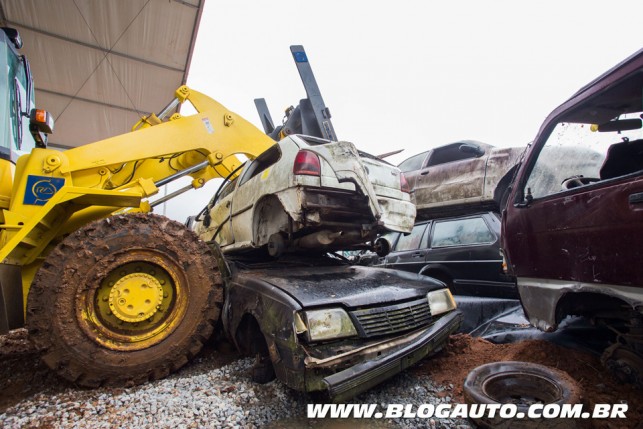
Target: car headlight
(330, 323)
(440, 301)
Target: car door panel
(256, 181)
(466, 250)
(454, 182)
(410, 250)
(594, 225)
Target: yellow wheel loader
(111, 294)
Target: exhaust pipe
(318, 239)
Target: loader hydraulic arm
(56, 192)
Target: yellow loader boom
(56, 192)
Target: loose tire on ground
(522, 384)
(124, 300)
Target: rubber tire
(263, 370)
(68, 273)
(276, 245)
(624, 363)
(477, 391)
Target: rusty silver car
(463, 174)
(308, 193)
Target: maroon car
(572, 230)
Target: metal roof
(99, 65)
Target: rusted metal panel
(471, 182)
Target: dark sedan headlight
(328, 324)
(440, 301)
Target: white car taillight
(307, 163)
(404, 185)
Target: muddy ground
(23, 376)
(464, 353)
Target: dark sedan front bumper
(361, 377)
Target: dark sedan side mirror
(382, 247)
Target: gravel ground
(214, 391)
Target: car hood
(349, 286)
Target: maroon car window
(461, 232)
(578, 154)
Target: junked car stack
(308, 193)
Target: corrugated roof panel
(84, 123)
(148, 44)
(163, 32)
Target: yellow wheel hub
(135, 297)
(137, 304)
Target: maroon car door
(589, 234)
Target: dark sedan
(462, 252)
(321, 324)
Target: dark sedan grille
(393, 318)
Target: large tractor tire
(124, 300)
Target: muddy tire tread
(46, 306)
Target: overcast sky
(410, 75)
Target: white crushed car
(308, 193)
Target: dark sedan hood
(350, 286)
